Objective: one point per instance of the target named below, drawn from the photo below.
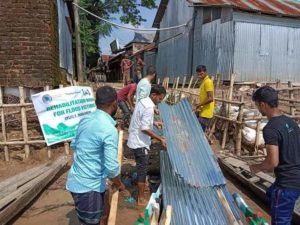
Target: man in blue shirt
(95, 158)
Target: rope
(130, 28)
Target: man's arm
(146, 125)
(271, 161)
(130, 101)
(210, 98)
(150, 133)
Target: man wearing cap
(95, 158)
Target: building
(257, 40)
(139, 42)
(36, 42)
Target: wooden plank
(227, 208)
(115, 196)
(66, 144)
(11, 184)
(166, 216)
(24, 198)
(235, 162)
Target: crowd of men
(96, 144)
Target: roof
(160, 13)
(276, 7)
(142, 38)
(146, 48)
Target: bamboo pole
(190, 84)
(6, 154)
(24, 122)
(238, 146)
(177, 82)
(174, 83)
(196, 83)
(15, 105)
(291, 97)
(258, 127)
(158, 81)
(232, 78)
(66, 144)
(49, 152)
(183, 82)
(115, 196)
(23, 142)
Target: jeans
(282, 202)
(142, 159)
(126, 112)
(204, 122)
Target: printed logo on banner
(59, 120)
(47, 99)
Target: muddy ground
(55, 206)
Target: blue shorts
(282, 202)
(89, 207)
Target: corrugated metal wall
(149, 60)
(173, 58)
(213, 46)
(266, 52)
(65, 38)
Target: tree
(92, 28)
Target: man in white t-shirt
(140, 134)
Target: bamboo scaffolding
(238, 146)
(183, 82)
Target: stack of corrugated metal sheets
(191, 177)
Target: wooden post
(174, 83)
(258, 126)
(227, 208)
(232, 78)
(238, 146)
(196, 83)
(183, 82)
(6, 154)
(168, 80)
(24, 122)
(158, 81)
(66, 144)
(166, 216)
(79, 63)
(49, 152)
(115, 196)
(291, 97)
(177, 82)
(190, 84)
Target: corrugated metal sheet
(266, 52)
(190, 153)
(149, 59)
(277, 7)
(193, 206)
(65, 38)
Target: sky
(125, 36)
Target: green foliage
(92, 28)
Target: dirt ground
(55, 205)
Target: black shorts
(142, 160)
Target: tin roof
(275, 7)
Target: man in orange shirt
(125, 69)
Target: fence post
(66, 144)
(6, 154)
(24, 122)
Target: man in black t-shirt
(282, 140)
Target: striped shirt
(95, 153)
